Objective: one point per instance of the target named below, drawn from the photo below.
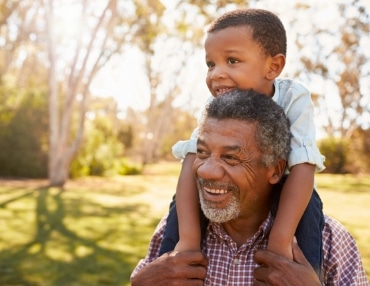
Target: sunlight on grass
(347, 199)
(95, 231)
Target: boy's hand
(280, 248)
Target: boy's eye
(232, 61)
(210, 65)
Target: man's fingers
(191, 257)
(265, 257)
(260, 273)
(194, 264)
(196, 272)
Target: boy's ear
(276, 66)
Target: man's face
(232, 181)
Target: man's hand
(173, 268)
(279, 271)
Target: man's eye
(201, 153)
(230, 159)
(233, 61)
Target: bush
(23, 138)
(336, 152)
(126, 168)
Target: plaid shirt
(231, 266)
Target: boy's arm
(187, 200)
(187, 203)
(299, 108)
(294, 199)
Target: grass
(95, 230)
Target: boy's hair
(268, 31)
(272, 134)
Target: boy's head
(245, 49)
(267, 29)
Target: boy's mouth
(222, 90)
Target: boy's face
(236, 61)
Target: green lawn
(95, 231)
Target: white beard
(218, 215)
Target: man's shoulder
(337, 240)
(334, 226)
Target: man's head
(242, 150)
(245, 49)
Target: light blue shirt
(296, 101)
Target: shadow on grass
(72, 241)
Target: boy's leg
(309, 232)
(310, 227)
(171, 233)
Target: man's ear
(276, 65)
(278, 172)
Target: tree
(97, 41)
(340, 56)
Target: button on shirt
(230, 265)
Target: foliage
(335, 63)
(100, 153)
(359, 152)
(23, 138)
(347, 156)
(106, 138)
(336, 152)
(181, 128)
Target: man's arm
(175, 268)
(279, 271)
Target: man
(241, 156)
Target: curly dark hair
(268, 30)
(272, 133)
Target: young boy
(246, 49)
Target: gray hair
(272, 133)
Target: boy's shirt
(296, 101)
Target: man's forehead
(240, 130)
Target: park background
(93, 95)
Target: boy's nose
(217, 73)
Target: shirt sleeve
(299, 109)
(342, 263)
(154, 247)
(182, 148)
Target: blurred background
(92, 87)
(105, 88)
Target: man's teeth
(216, 191)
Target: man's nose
(211, 169)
